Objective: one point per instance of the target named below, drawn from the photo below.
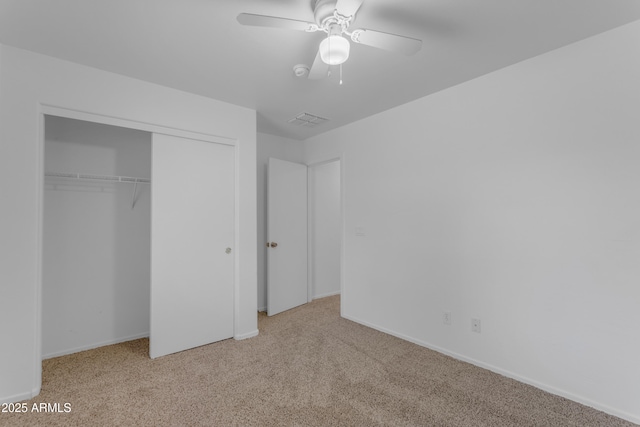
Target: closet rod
(103, 178)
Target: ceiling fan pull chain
(340, 74)
(329, 42)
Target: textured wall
(512, 198)
(28, 80)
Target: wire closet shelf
(102, 178)
(94, 177)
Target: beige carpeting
(308, 367)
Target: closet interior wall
(96, 241)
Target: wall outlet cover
(475, 325)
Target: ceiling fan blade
(319, 69)
(387, 41)
(275, 22)
(348, 7)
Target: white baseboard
(553, 390)
(330, 294)
(247, 335)
(20, 397)
(94, 345)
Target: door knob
(273, 244)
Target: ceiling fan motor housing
(323, 10)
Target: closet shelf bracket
(133, 198)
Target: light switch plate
(446, 317)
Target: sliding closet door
(192, 237)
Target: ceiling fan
(334, 17)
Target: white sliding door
(192, 239)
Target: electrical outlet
(475, 325)
(446, 317)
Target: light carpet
(308, 367)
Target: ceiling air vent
(307, 120)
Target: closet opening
(96, 235)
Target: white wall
(279, 148)
(96, 248)
(324, 228)
(28, 80)
(512, 198)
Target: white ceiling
(199, 47)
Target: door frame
(53, 110)
(320, 161)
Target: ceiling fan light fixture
(334, 50)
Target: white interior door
(192, 234)
(287, 235)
